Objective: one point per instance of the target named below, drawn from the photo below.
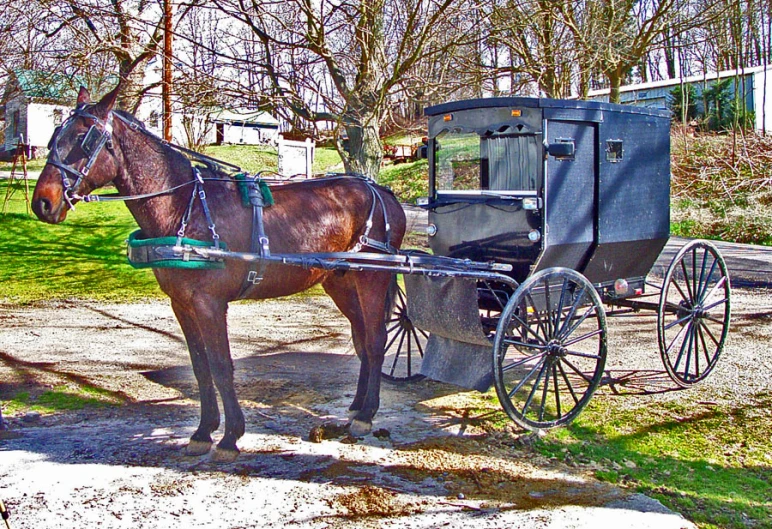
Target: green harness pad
(244, 182)
(159, 253)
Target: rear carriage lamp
(534, 235)
(621, 287)
(431, 230)
(422, 201)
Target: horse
(99, 144)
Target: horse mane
(208, 162)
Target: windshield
(465, 161)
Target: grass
(82, 258)
(408, 180)
(59, 399)
(254, 158)
(710, 462)
(722, 187)
(32, 165)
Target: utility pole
(166, 83)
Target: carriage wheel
(404, 344)
(550, 349)
(694, 311)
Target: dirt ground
(432, 463)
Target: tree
(342, 62)
(539, 43)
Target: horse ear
(84, 96)
(108, 101)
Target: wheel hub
(555, 349)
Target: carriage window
(465, 161)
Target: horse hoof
(359, 428)
(224, 455)
(197, 448)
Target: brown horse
(328, 215)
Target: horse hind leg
(201, 441)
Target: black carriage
(574, 197)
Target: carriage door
(569, 195)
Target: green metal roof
(39, 84)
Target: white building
(36, 103)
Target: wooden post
(166, 84)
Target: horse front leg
(201, 441)
(211, 318)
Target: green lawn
(85, 256)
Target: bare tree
(343, 62)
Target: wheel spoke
(509, 341)
(583, 337)
(583, 354)
(572, 312)
(568, 383)
(534, 389)
(522, 361)
(548, 307)
(710, 333)
(526, 377)
(577, 370)
(557, 389)
(539, 321)
(396, 325)
(393, 339)
(578, 323)
(686, 280)
(396, 355)
(683, 346)
(675, 339)
(716, 304)
(719, 284)
(704, 346)
(418, 343)
(678, 322)
(544, 393)
(696, 349)
(699, 286)
(409, 355)
(694, 273)
(528, 329)
(684, 297)
(562, 299)
(701, 294)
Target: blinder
(93, 141)
(92, 144)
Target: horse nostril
(42, 206)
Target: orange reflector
(516, 113)
(447, 117)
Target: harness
(181, 253)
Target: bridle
(95, 139)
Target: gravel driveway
(431, 465)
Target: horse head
(81, 158)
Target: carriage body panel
(603, 211)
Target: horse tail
(391, 299)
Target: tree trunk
(615, 82)
(363, 152)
